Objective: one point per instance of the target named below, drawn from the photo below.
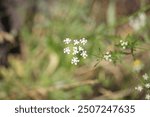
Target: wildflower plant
(144, 86)
(107, 56)
(76, 48)
(126, 46)
(123, 44)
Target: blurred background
(32, 62)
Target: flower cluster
(107, 56)
(144, 86)
(113, 56)
(123, 44)
(76, 50)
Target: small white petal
(139, 88)
(83, 41)
(84, 54)
(80, 48)
(121, 41)
(67, 50)
(126, 43)
(110, 60)
(67, 40)
(107, 56)
(145, 76)
(75, 51)
(124, 47)
(147, 85)
(76, 42)
(74, 60)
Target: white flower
(123, 44)
(84, 54)
(126, 43)
(107, 57)
(75, 51)
(67, 50)
(145, 76)
(139, 88)
(124, 47)
(74, 60)
(80, 48)
(147, 97)
(67, 40)
(83, 41)
(110, 60)
(121, 41)
(147, 85)
(76, 42)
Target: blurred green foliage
(45, 72)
